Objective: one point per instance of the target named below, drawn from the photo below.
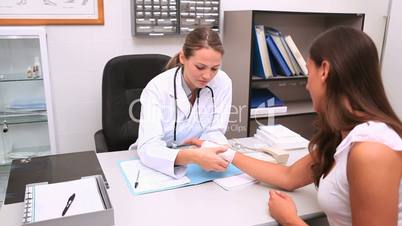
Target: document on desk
(48, 201)
(236, 181)
(149, 180)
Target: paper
(49, 200)
(229, 183)
(149, 180)
(152, 181)
(232, 182)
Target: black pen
(136, 180)
(70, 200)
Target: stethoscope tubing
(198, 102)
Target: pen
(136, 180)
(70, 200)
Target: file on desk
(237, 181)
(65, 203)
(150, 180)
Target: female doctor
(187, 104)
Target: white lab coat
(158, 117)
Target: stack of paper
(281, 137)
(229, 183)
(252, 144)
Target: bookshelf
(238, 38)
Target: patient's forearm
(285, 177)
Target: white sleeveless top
(333, 192)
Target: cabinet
(238, 38)
(173, 17)
(26, 120)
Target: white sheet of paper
(51, 199)
(229, 183)
(149, 179)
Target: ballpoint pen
(70, 200)
(136, 180)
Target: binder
(296, 54)
(261, 62)
(48, 204)
(264, 98)
(277, 57)
(282, 47)
(285, 50)
(51, 169)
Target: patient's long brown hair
(354, 75)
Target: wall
(392, 50)
(77, 55)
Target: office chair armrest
(100, 142)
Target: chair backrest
(124, 78)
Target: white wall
(391, 65)
(77, 55)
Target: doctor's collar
(187, 89)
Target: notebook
(45, 201)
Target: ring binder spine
(28, 207)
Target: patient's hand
(283, 209)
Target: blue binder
(257, 60)
(264, 98)
(277, 57)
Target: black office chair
(124, 78)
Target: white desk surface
(205, 204)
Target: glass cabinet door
(24, 95)
(26, 122)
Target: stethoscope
(198, 102)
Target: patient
(355, 155)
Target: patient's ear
(324, 70)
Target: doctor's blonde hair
(199, 38)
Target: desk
(205, 204)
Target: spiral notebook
(45, 201)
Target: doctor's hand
(194, 141)
(209, 159)
(283, 209)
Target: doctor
(187, 104)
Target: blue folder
(194, 172)
(264, 98)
